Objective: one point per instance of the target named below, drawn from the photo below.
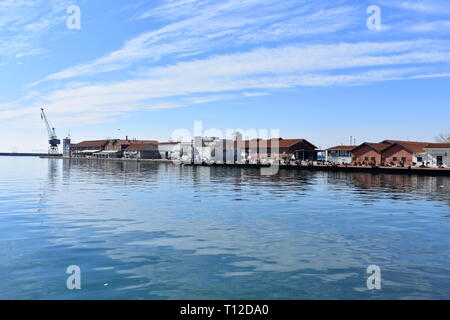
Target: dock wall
(362, 169)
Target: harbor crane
(53, 141)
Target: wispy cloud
(439, 26)
(204, 26)
(212, 98)
(227, 76)
(203, 51)
(291, 59)
(24, 23)
(425, 7)
(254, 93)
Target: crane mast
(53, 140)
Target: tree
(442, 137)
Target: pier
(28, 154)
(311, 167)
(363, 169)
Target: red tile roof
(438, 145)
(342, 148)
(136, 141)
(282, 143)
(285, 143)
(411, 146)
(139, 146)
(91, 144)
(377, 146)
(102, 143)
(401, 141)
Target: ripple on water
(159, 231)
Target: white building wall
(416, 157)
(434, 153)
(171, 151)
(212, 150)
(186, 151)
(332, 157)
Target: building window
(366, 158)
(419, 159)
(394, 158)
(404, 159)
(372, 159)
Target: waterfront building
(390, 152)
(86, 149)
(369, 153)
(437, 154)
(148, 150)
(115, 148)
(276, 149)
(339, 154)
(298, 149)
(108, 148)
(66, 147)
(207, 149)
(404, 153)
(235, 150)
(170, 150)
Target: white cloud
(230, 75)
(161, 105)
(30, 52)
(433, 26)
(212, 98)
(290, 59)
(204, 26)
(430, 7)
(24, 24)
(270, 60)
(254, 94)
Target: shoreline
(26, 154)
(363, 169)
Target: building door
(439, 160)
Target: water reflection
(406, 187)
(156, 230)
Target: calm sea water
(161, 231)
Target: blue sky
(312, 69)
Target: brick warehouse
(390, 152)
(368, 152)
(404, 152)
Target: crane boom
(52, 139)
(51, 133)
